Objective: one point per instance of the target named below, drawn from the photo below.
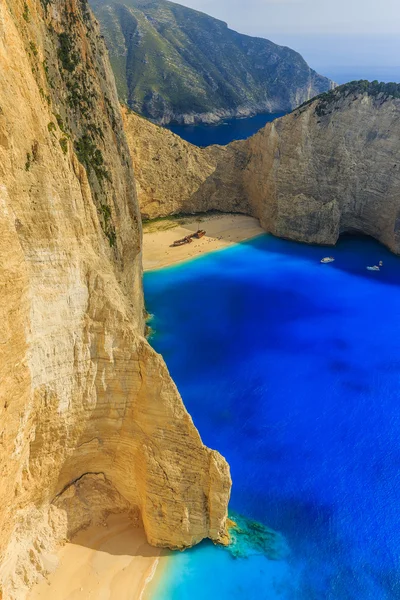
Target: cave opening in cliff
(354, 233)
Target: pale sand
(222, 231)
(103, 563)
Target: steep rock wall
(91, 421)
(332, 166)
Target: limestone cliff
(91, 421)
(332, 166)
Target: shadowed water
(225, 132)
(291, 369)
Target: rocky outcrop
(330, 167)
(91, 421)
(175, 64)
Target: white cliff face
(325, 170)
(87, 409)
(168, 170)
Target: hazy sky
(305, 16)
(326, 32)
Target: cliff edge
(91, 422)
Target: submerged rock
(250, 537)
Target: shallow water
(291, 369)
(225, 132)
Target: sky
(329, 33)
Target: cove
(291, 369)
(223, 133)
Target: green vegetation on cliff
(173, 63)
(355, 89)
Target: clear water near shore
(225, 132)
(291, 369)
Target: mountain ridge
(175, 64)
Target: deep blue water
(225, 132)
(343, 74)
(291, 369)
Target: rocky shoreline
(218, 116)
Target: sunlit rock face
(173, 176)
(91, 421)
(330, 167)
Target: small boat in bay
(327, 259)
(374, 268)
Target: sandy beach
(112, 562)
(222, 231)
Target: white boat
(327, 259)
(374, 268)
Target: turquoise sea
(291, 369)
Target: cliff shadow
(117, 536)
(222, 190)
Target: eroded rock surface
(91, 421)
(168, 170)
